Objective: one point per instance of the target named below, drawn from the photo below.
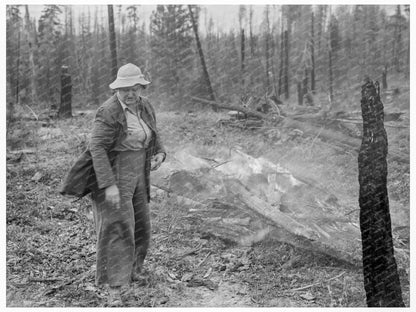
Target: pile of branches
(257, 112)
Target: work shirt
(138, 133)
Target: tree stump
(65, 108)
(381, 279)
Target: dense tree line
(296, 51)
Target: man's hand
(112, 195)
(156, 161)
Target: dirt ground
(51, 241)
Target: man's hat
(128, 76)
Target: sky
(224, 17)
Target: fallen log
(337, 138)
(359, 122)
(326, 134)
(246, 111)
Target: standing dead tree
(312, 46)
(267, 40)
(202, 58)
(30, 40)
(113, 46)
(381, 279)
(241, 17)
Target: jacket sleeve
(102, 139)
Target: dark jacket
(93, 169)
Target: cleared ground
(51, 242)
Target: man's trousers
(123, 234)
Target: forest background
(306, 49)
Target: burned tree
(381, 280)
(312, 46)
(241, 16)
(65, 108)
(201, 57)
(113, 44)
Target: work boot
(140, 278)
(114, 296)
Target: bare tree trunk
(381, 279)
(202, 58)
(70, 26)
(243, 70)
(18, 68)
(330, 65)
(312, 52)
(300, 93)
(267, 48)
(120, 26)
(282, 44)
(273, 58)
(67, 39)
(241, 18)
(95, 71)
(330, 73)
(251, 31)
(113, 47)
(322, 12)
(81, 57)
(398, 40)
(384, 78)
(286, 66)
(32, 71)
(305, 82)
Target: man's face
(130, 95)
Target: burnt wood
(65, 107)
(381, 279)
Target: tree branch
(235, 108)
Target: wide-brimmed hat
(127, 76)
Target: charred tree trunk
(65, 109)
(113, 46)
(202, 58)
(381, 279)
